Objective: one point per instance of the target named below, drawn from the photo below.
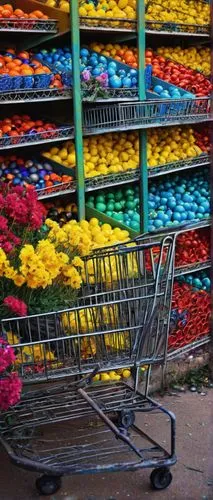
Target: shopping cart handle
(87, 380)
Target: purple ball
(42, 173)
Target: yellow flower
(78, 262)
(19, 280)
(26, 253)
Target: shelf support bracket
(77, 107)
(142, 133)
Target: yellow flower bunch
(41, 265)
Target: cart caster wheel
(126, 418)
(48, 485)
(161, 478)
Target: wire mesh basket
(121, 317)
(122, 116)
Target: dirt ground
(192, 475)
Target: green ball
(100, 199)
(130, 198)
(118, 195)
(110, 196)
(130, 213)
(91, 198)
(110, 206)
(101, 207)
(90, 204)
(117, 216)
(129, 192)
(118, 206)
(136, 217)
(109, 213)
(135, 225)
(130, 205)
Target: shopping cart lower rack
(102, 433)
(78, 426)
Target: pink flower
(7, 357)
(17, 306)
(3, 223)
(10, 390)
(1, 201)
(7, 247)
(86, 75)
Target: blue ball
(158, 89)
(201, 209)
(165, 94)
(179, 208)
(115, 82)
(111, 71)
(93, 61)
(164, 201)
(190, 215)
(177, 216)
(112, 64)
(172, 203)
(103, 59)
(84, 52)
(160, 215)
(96, 71)
(157, 223)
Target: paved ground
(192, 476)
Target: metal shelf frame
(107, 115)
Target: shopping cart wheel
(126, 418)
(48, 485)
(160, 478)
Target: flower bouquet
(37, 275)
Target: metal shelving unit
(107, 115)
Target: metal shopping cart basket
(69, 424)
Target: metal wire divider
(29, 25)
(122, 116)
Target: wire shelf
(29, 25)
(32, 95)
(110, 180)
(157, 27)
(58, 190)
(59, 134)
(192, 268)
(179, 165)
(104, 181)
(145, 114)
(182, 29)
(180, 351)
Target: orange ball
(19, 13)
(38, 14)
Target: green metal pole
(142, 133)
(77, 107)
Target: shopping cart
(73, 425)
